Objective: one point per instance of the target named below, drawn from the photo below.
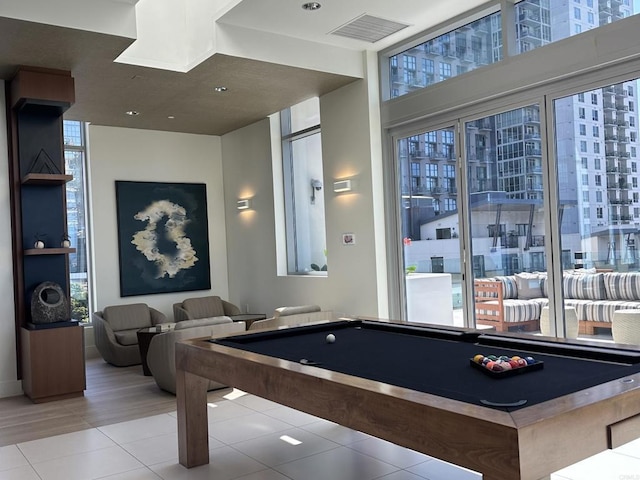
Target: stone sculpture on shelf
(49, 304)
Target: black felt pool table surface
(437, 361)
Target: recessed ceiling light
(311, 6)
(132, 113)
(171, 117)
(220, 89)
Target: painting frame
(163, 237)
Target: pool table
(414, 385)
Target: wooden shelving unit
(51, 359)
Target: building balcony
(621, 92)
(529, 18)
(537, 240)
(623, 201)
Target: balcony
(537, 240)
(620, 91)
(624, 201)
(529, 18)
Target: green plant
(79, 302)
(411, 269)
(317, 268)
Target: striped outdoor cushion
(521, 310)
(509, 286)
(602, 311)
(622, 286)
(580, 306)
(584, 287)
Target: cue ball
(331, 338)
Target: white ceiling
(170, 53)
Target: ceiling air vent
(369, 28)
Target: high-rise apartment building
(596, 141)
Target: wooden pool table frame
(527, 444)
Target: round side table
(626, 326)
(570, 319)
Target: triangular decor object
(44, 164)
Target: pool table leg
(193, 434)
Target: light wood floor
(113, 395)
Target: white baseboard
(90, 351)
(10, 389)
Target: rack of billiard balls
(500, 366)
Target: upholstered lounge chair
(292, 316)
(203, 307)
(115, 330)
(161, 355)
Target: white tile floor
(248, 441)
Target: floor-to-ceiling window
(546, 152)
(304, 189)
(77, 222)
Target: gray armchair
(203, 307)
(115, 329)
(161, 356)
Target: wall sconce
(243, 204)
(342, 186)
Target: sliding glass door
(507, 218)
(429, 217)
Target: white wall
(242, 244)
(143, 155)
(351, 285)
(9, 385)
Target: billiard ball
(331, 338)
(530, 360)
(478, 358)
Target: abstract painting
(163, 237)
